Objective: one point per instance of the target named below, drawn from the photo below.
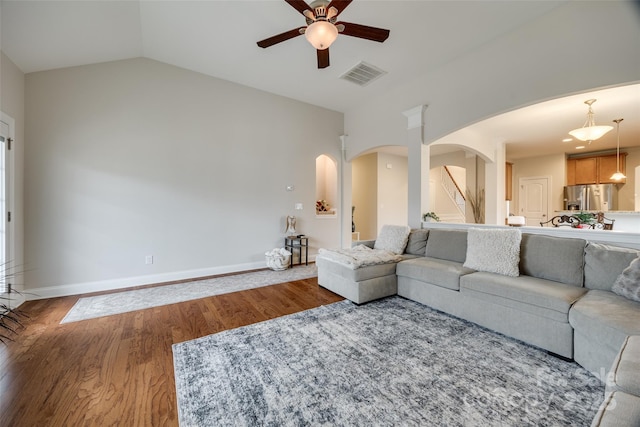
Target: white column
(346, 196)
(495, 187)
(418, 165)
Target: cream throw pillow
(628, 283)
(393, 238)
(494, 251)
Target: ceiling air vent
(363, 74)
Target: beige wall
(134, 158)
(626, 192)
(553, 166)
(12, 103)
(364, 175)
(393, 194)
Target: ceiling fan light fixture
(321, 34)
(590, 132)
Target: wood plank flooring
(118, 370)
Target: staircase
(455, 194)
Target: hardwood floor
(118, 370)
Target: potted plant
(586, 219)
(430, 216)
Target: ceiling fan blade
(364, 31)
(300, 5)
(280, 37)
(340, 5)
(323, 58)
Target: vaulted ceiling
(218, 38)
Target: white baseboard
(127, 282)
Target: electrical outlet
(148, 259)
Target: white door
(6, 268)
(533, 200)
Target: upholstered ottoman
(361, 284)
(367, 271)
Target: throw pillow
(628, 282)
(417, 242)
(494, 251)
(392, 238)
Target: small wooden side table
(293, 243)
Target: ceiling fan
(322, 29)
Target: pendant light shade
(590, 132)
(618, 175)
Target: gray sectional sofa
(560, 298)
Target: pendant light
(618, 175)
(590, 132)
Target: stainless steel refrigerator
(596, 197)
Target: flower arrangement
(432, 215)
(322, 206)
(585, 218)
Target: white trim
(127, 282)
(151, 279)
(415, 116)
(10, 204)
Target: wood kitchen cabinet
(594, 170)
(608, 165)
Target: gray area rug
(123, 302)
(389, 362)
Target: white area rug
(123, 302)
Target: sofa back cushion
(417, 242)
(447, 244)
(603, 264)
(553, 258)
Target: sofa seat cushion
(536, 296)
(625, 371)
(619, 409)
(358, 274)
(605, 317)
(435, 271)
(359, 256)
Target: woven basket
(278, 259)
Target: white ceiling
(218, 38)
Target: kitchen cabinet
(582, 171)
(594, 170)
(608, 165)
